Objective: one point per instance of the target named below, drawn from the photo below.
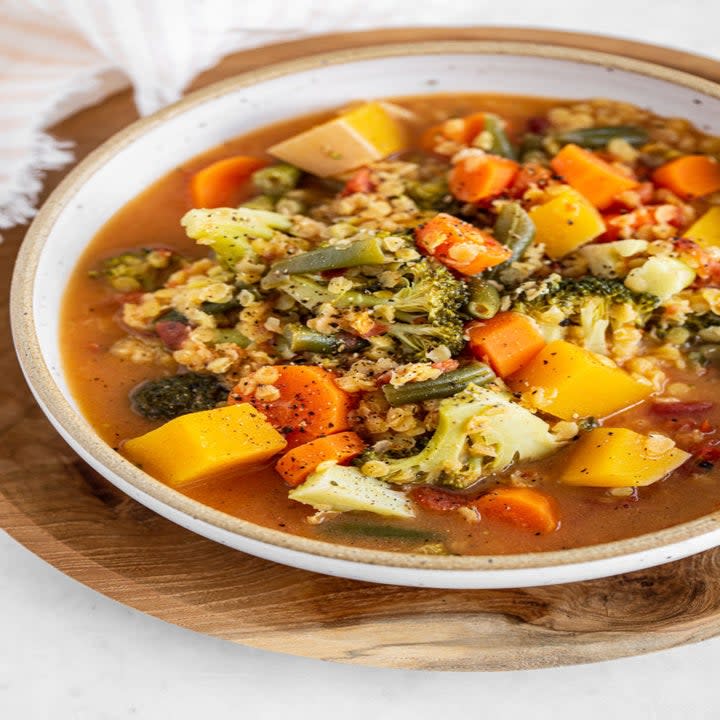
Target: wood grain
(60, 509)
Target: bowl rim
(75, 426)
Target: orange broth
(101, 383)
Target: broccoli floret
(169, 397)
(587, 302)
(427, 307)
(417, 340)
(139, 270)
(431, 291)
(230, 231)
(479, 431)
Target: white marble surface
(68, 653)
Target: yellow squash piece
(618, 457)
(358, 137)
(570, 382)
(566, 222)
(206, 444)
(706, 230)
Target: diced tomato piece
(460, 245)
(436, 500)
(172, 333)
(360, 182)
(681, 408)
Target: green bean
(366, 251)
(598, 137)
(449, 383)
(214, 308)
(276, 180)
(500, 143)
(230, 335)
(172, 316)
(379, 531)
(515, 230)
(709, 353)
(428, 195)
(484, 300)
(260, 202)
(299, 338)
(532, 149)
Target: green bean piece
(501, 145)
(710, 353)
(449, 383)
(366, 251)
(172, 315)
(428, 195)
(484, 300)
(230, 335)
(598, 137)
(276, 180)
(299, 338)
(260, 202)
(515, 230)
(394, 532)
(532, 149)
(214, 308)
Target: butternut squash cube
(618, 457)
(207, 444)
(355, 138)
(570, 382)
(706, 230)
(566, 222)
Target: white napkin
(57, 56)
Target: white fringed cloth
(57, 56)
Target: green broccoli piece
(169, 397)
(430, 195)
(417, 340)
(427, 307)
(230, 231)
(586, 302)
(143, 270)
(276, 180)
(479, 431)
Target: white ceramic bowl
(142, 153)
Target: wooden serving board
(60, 509)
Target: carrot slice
(300, 462)
(310, 404)
(481, 177)
(460, 130)
(524, 507)
(222, 183)
(690, 176)
(460, 245)
(507, 342)
(597, 180)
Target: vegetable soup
(450, 324)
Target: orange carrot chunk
(506, 342)
(690, 176)
(481, 177)
(596, 179)
(460, 245)
(459, 130)
(295, 466)
(224, 183)
(310, 404)
(524, 507)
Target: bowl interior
(125, 165)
